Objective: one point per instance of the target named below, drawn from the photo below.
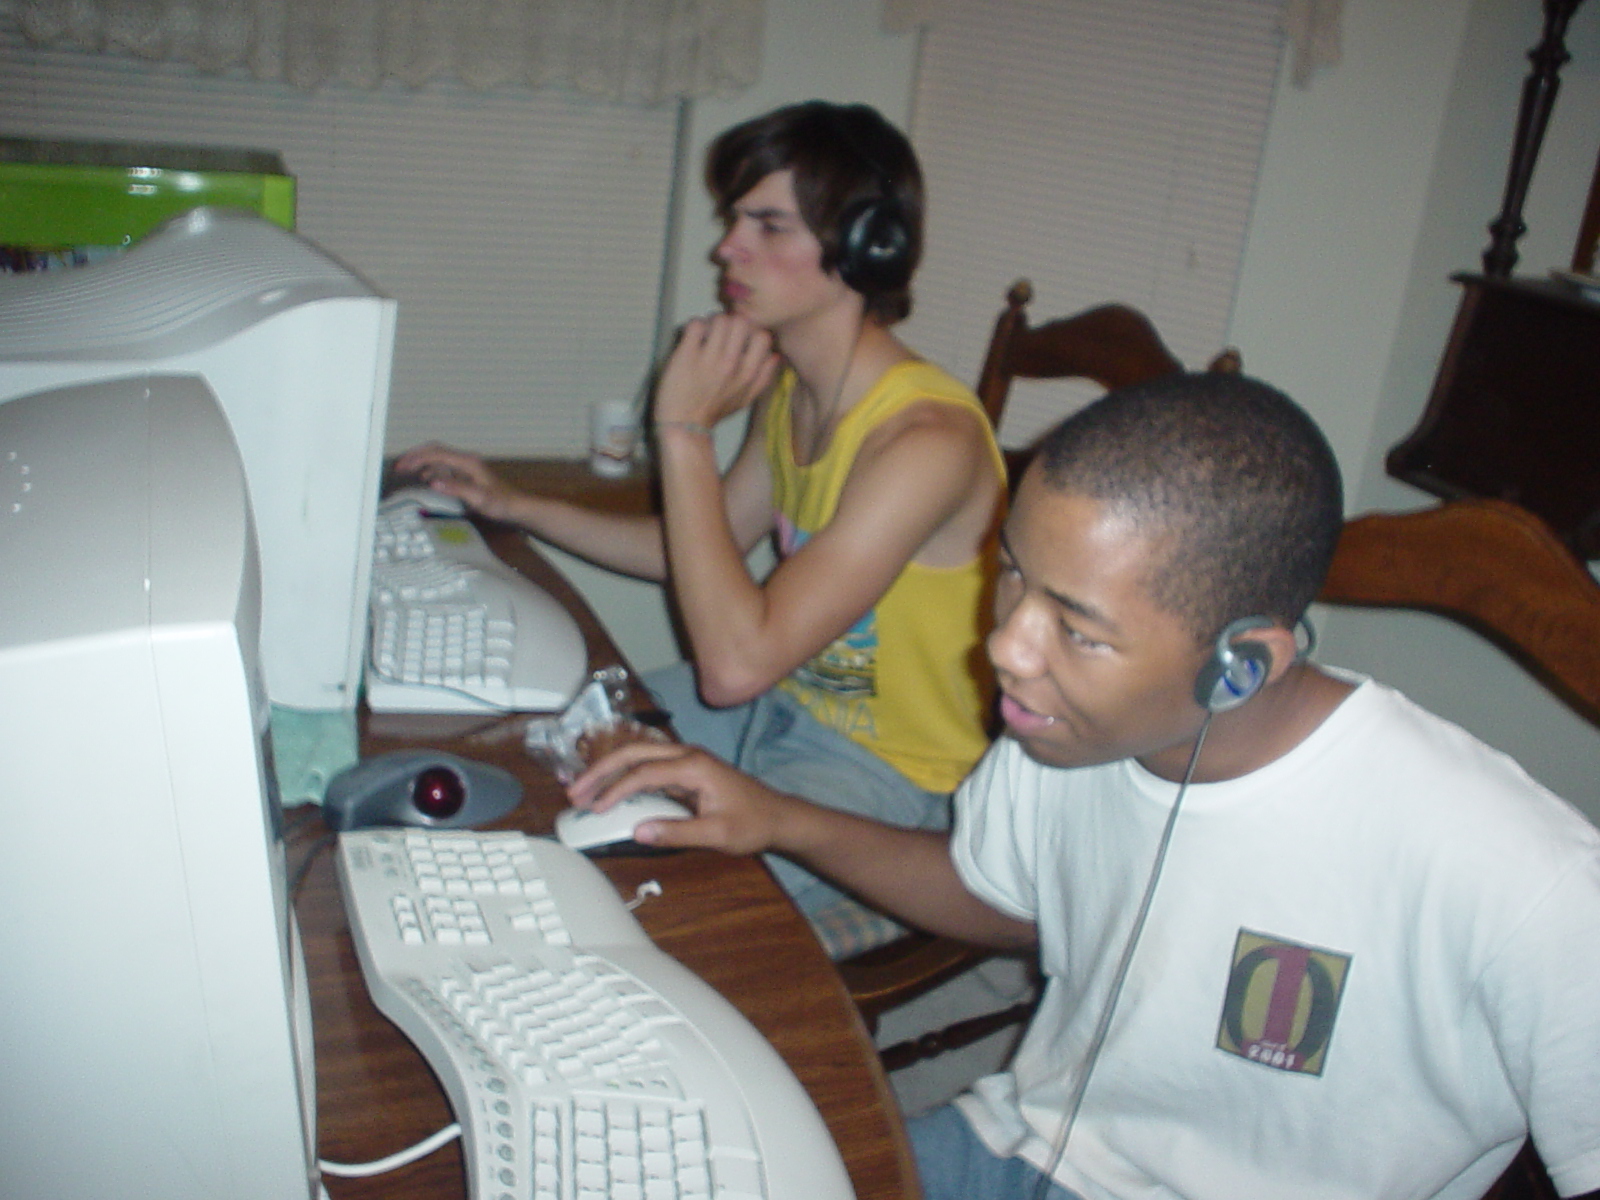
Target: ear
(1286, 649)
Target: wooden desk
(634, 494)
(724, 918)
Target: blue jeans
(953, 1164)
(774, 739)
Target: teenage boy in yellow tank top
(852, 674)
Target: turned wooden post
(1538, 97)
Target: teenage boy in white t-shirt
(1299, 937)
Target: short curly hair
(1231, 477)
(840, 154)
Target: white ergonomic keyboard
(582, 1062)
(454, 629)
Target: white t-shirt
(1368, 968)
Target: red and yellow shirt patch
(1281, 1002)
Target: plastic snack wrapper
(599, 719)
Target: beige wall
(1346, 299)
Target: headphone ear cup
(1236, 669)
(874, 246)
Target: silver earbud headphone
(1236, 669)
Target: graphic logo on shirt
(790, 538)
(1281, 1003)
(845, 669)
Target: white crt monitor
(157, 1031)
(298, 350)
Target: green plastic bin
(63, 197)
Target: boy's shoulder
(1407, 761)
(918, 379)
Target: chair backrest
(1112, 344)
(1492, 567)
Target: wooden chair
(1492, 567)
(1497, 569)
(1113, 345)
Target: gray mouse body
(425, 788)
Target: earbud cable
(1092, 1055)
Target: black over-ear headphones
(874, 232)
(1236, 669)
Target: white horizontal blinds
(523, 236)
(521, 232)
(1107, 150)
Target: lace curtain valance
(1311, 27)
(641, 51)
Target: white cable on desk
(650, 887)
(421, 1150)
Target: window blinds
(522, 232)
(1107, 150)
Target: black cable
(298, 874)
(1092, 1055)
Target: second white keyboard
(454, 629)
(582, 1062)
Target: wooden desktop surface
(724, 918)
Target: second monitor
(298, 350)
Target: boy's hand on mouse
(734, 813)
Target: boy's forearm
(630, 545)
(907, 873)
(721, 605)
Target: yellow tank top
(900, 681)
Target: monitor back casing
(298, 349)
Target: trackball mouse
(427, 788)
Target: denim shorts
(954, 1164)
(774, 739)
